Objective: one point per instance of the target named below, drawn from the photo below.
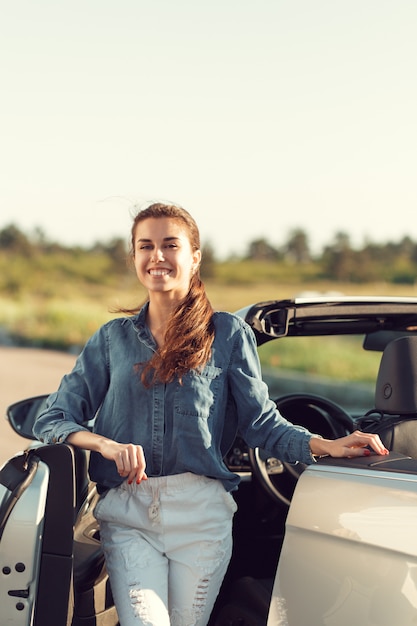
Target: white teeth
(158, 272)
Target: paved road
(26, 372)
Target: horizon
(258, 119)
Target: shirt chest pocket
(198, 392)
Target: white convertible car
(330, 544)
(348, 551)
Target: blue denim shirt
(184, 427)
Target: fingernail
(138, 481)
(366, 453)
(129, 482)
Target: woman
(161, 384)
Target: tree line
(338, 260)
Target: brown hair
(190, 332)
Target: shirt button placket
(158, 428)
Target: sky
(257, 116)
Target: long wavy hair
(190, 332)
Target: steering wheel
(317, 414)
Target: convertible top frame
(327, 316)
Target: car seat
(394, 416)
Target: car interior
(393, 417)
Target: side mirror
(22, 415)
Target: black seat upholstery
(81, 476)
(396, 386)
(394, 416)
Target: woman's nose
(157, 255)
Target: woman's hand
(353, 445)
(129, 458)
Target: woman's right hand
(129, 457)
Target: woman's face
(164, 259)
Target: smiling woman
(169, 388)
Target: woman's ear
(196, 261)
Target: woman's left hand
(353, 445)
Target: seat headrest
(396, 385)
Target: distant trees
(262, 250)
(339, 261)
(13, 240)
(116, 250)
(394, 262)
(296, 249)
(208, 261)
(391, 262)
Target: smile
(159, 272)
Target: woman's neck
(157, 318)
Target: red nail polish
(366, 453)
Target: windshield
(334, 366)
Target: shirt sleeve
(260, 422)
(79, 395)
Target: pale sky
(258, 116)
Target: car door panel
(350, 548)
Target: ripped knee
(201, 595)
(148, 606)
(139, 604)
(192, 616)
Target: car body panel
(20, 548)
(350, 548)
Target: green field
(65, 320)
(68, 317)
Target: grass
(64, 319)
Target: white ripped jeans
(167, 543)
